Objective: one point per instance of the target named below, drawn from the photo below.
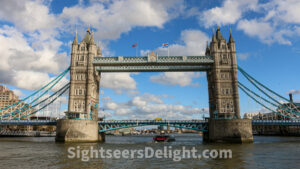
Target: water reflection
(33, 152)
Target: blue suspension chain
(245, 73)
(251, 80)
(16, 111)
(264, 105)
(240, 84)
(66, 86)
(36, 91)
(44, 105)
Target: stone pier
(71, 130)
(229, 131)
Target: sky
(36, 36)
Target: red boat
(163, 138)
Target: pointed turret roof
(207, 51)
(89, 29)
(230, 37)
(218, 34)
(99, 49)
(87, 36)
(213, 39)
(92, 41)
(75, 41)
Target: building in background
(252, 115)
(262, 116)
(293, 106)
(7, 98)
(282, 109)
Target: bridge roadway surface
(147, 122)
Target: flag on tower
(134, 45)
(165, 44)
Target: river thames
(44, 152)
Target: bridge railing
(276, 122)
(152, 121)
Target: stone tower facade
(84, 80)
(222, 78)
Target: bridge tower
(82, 115)
(84, 80)
(222, 78)
(225, 123)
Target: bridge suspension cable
(250, 77)
(36, 92)
(248, 91)
(59, 93)
(261, 88)
(255, 82)
(18, 108)
(270, 109)
(46, 99)
(293, 112)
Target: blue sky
(36, 37)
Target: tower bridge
(219, 63)
(87, 63)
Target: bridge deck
(152, 122)
(146, 122)
(276, 122)
(28, 122)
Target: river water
(44, 152)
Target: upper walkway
(153, 63)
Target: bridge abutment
(229, 131)
(71, 130)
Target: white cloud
(271, 22)
(293, 91)
(117, 17)
(229, 13)
(19, 60)
(191, 43)
(286, 11)
(281, 14)
(275, 24)
(28, 15)
(243, 56)
(263, 30)
(149, 106)
(105, 114)
(31, 46)
(119, 82)
(176, 78)
(143, 100)
(29, 79)
(18, 92)
(111, 106)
